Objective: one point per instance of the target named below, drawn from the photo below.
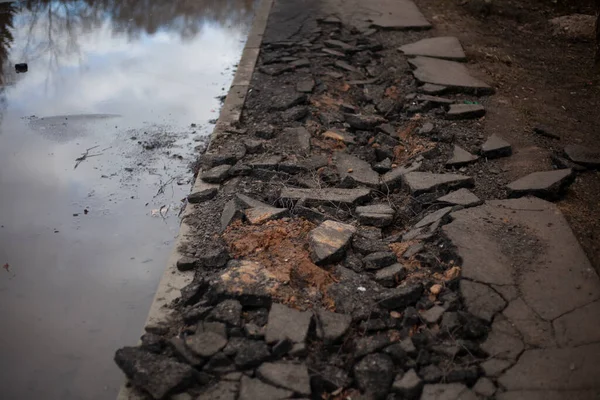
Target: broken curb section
(342, 240)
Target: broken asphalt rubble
(341, 246)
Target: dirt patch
(542, 79)
(282, 248)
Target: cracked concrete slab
(529, 243)
(555, 369)
(578, 327)
(534, 331)
(549, 395)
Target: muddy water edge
(96, 139)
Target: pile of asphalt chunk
(374, 305)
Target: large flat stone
(583, 155)
(581, 326)
(451, 74)
(460, 157)
(445, 47)
(328, 241)
(286, 375)
(422, 182)
(329, 196)
(287, 323)
(355, 171)
(554, 277)
(433, 217)
(253, 389)
(332, 326)
(379, 215)
(545, 184)
(481, 300)
(249, 282)
(465, 111)
(555, 369)
(495, 147)
(461, 197)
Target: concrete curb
(174, 280)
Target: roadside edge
(173, 280)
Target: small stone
(334, 75)
(220, 364)
(345, 66)
(254, 146)
(205, 344)
(334, 53)
(231, 212)
(265, 131)
(431, 374)
(383, 166)
(546, 184)
(286, 375)
(374, 375)
(251, 353)
(364, 122)
(332, 326)
(214, 160)
(394, 178)
(433, 315)
(338, 44)
(401, 297)
(202, 196)
(254, 331)
(142, 368)
(445, 47)
(228, 311)
(379, 260)
(408, 385)
(355, 171)
(426, 129)
(408, 346)
(370, 344)
(496, 147)
(461, 197)
(282, 100)
(391, 276)
(465, 111)
(485, 387)
(433, 217)
(298, 139)
(328, 242)
(184, 354)
(257, 216)
(300, 63)
(187, 263)
(423, 182)
(216, 174)
(342, 136)
(413, 250)
(461, 157)
(254, 389)
(287, 323)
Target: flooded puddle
(95, 144)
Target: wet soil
(542, 80)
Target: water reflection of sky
(83, 284)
